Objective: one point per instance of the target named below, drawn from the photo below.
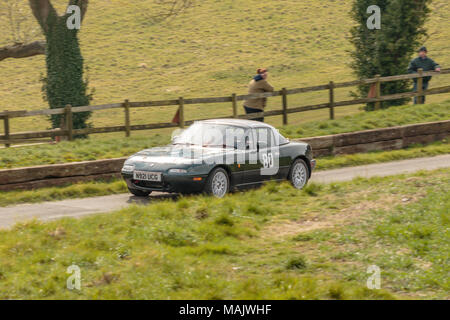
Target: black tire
(299, 179)
(218, 183)
(139, 193)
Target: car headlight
(128, 168)
(177, 171)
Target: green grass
(395, 116)
(118, 146)
(211, 50)
(271, 243)
(79, 150)
(93, 189)
(74, 191)
(418, 151)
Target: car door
(251, 166)
(263, 157)
(284, 156)
(235, 139)
(268, 153)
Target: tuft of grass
(297, 263)
(313, 189)
(211, 249)
(224, 220)
(302, 237)
(256, 209)
(337, 292)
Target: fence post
(69, 122)
(234, 100)
(378, 92)
(62, 126)
(285, 106)
(331, 85)
(126, 107)
(181, 103)
(6, 126)
(420, 86)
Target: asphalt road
(48, 211)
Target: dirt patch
(336, 218)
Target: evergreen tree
(387, 51)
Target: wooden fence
(68, 131)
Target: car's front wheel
(299, 174)
(139, 193)
(218, 183)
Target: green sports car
(218, 156)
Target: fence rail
(68, 131)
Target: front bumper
(169, 183)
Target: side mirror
(174, 138)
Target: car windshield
(212, 135)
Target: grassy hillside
(211, 50)
(118, 146)
(256, 245)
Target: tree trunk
(64, 83)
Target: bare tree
(19, 30)
(15, 18)
(170, 8)
(20, 50)
(12, 15)
(64, 83)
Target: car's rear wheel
(299, 174)
(218, 183)
(139, 193)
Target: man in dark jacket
(259, 84)
(425, 63)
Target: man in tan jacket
(259, 84)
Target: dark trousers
(425, 87)
(252, 110)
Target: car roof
(238, 122)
